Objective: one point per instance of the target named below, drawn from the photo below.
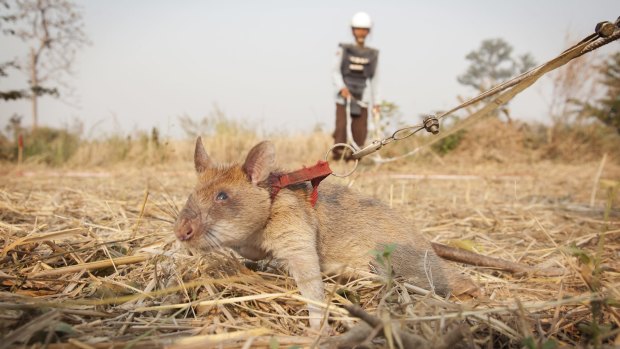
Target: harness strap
(315, 174)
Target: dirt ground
(86, 262)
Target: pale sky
(269, 62)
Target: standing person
(355, 79)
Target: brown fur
(338, 234)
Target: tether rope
(605, 33)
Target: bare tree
(7, 66)
(605, 108)
(575, 81)
(53, 29)
(12, 94)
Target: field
(88, 258)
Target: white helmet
(361, 20)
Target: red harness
(315, 174)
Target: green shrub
(49, 145)
(449, 143)
(8, 151)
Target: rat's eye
(221, 196)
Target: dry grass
(87, 258)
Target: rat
(232, 207)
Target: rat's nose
(184, 230)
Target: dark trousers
(359, 128)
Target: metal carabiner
(369, 149)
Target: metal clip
(369, 149)
(605, 29)
(431, 124)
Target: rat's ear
(259, 163)
(201, 158)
